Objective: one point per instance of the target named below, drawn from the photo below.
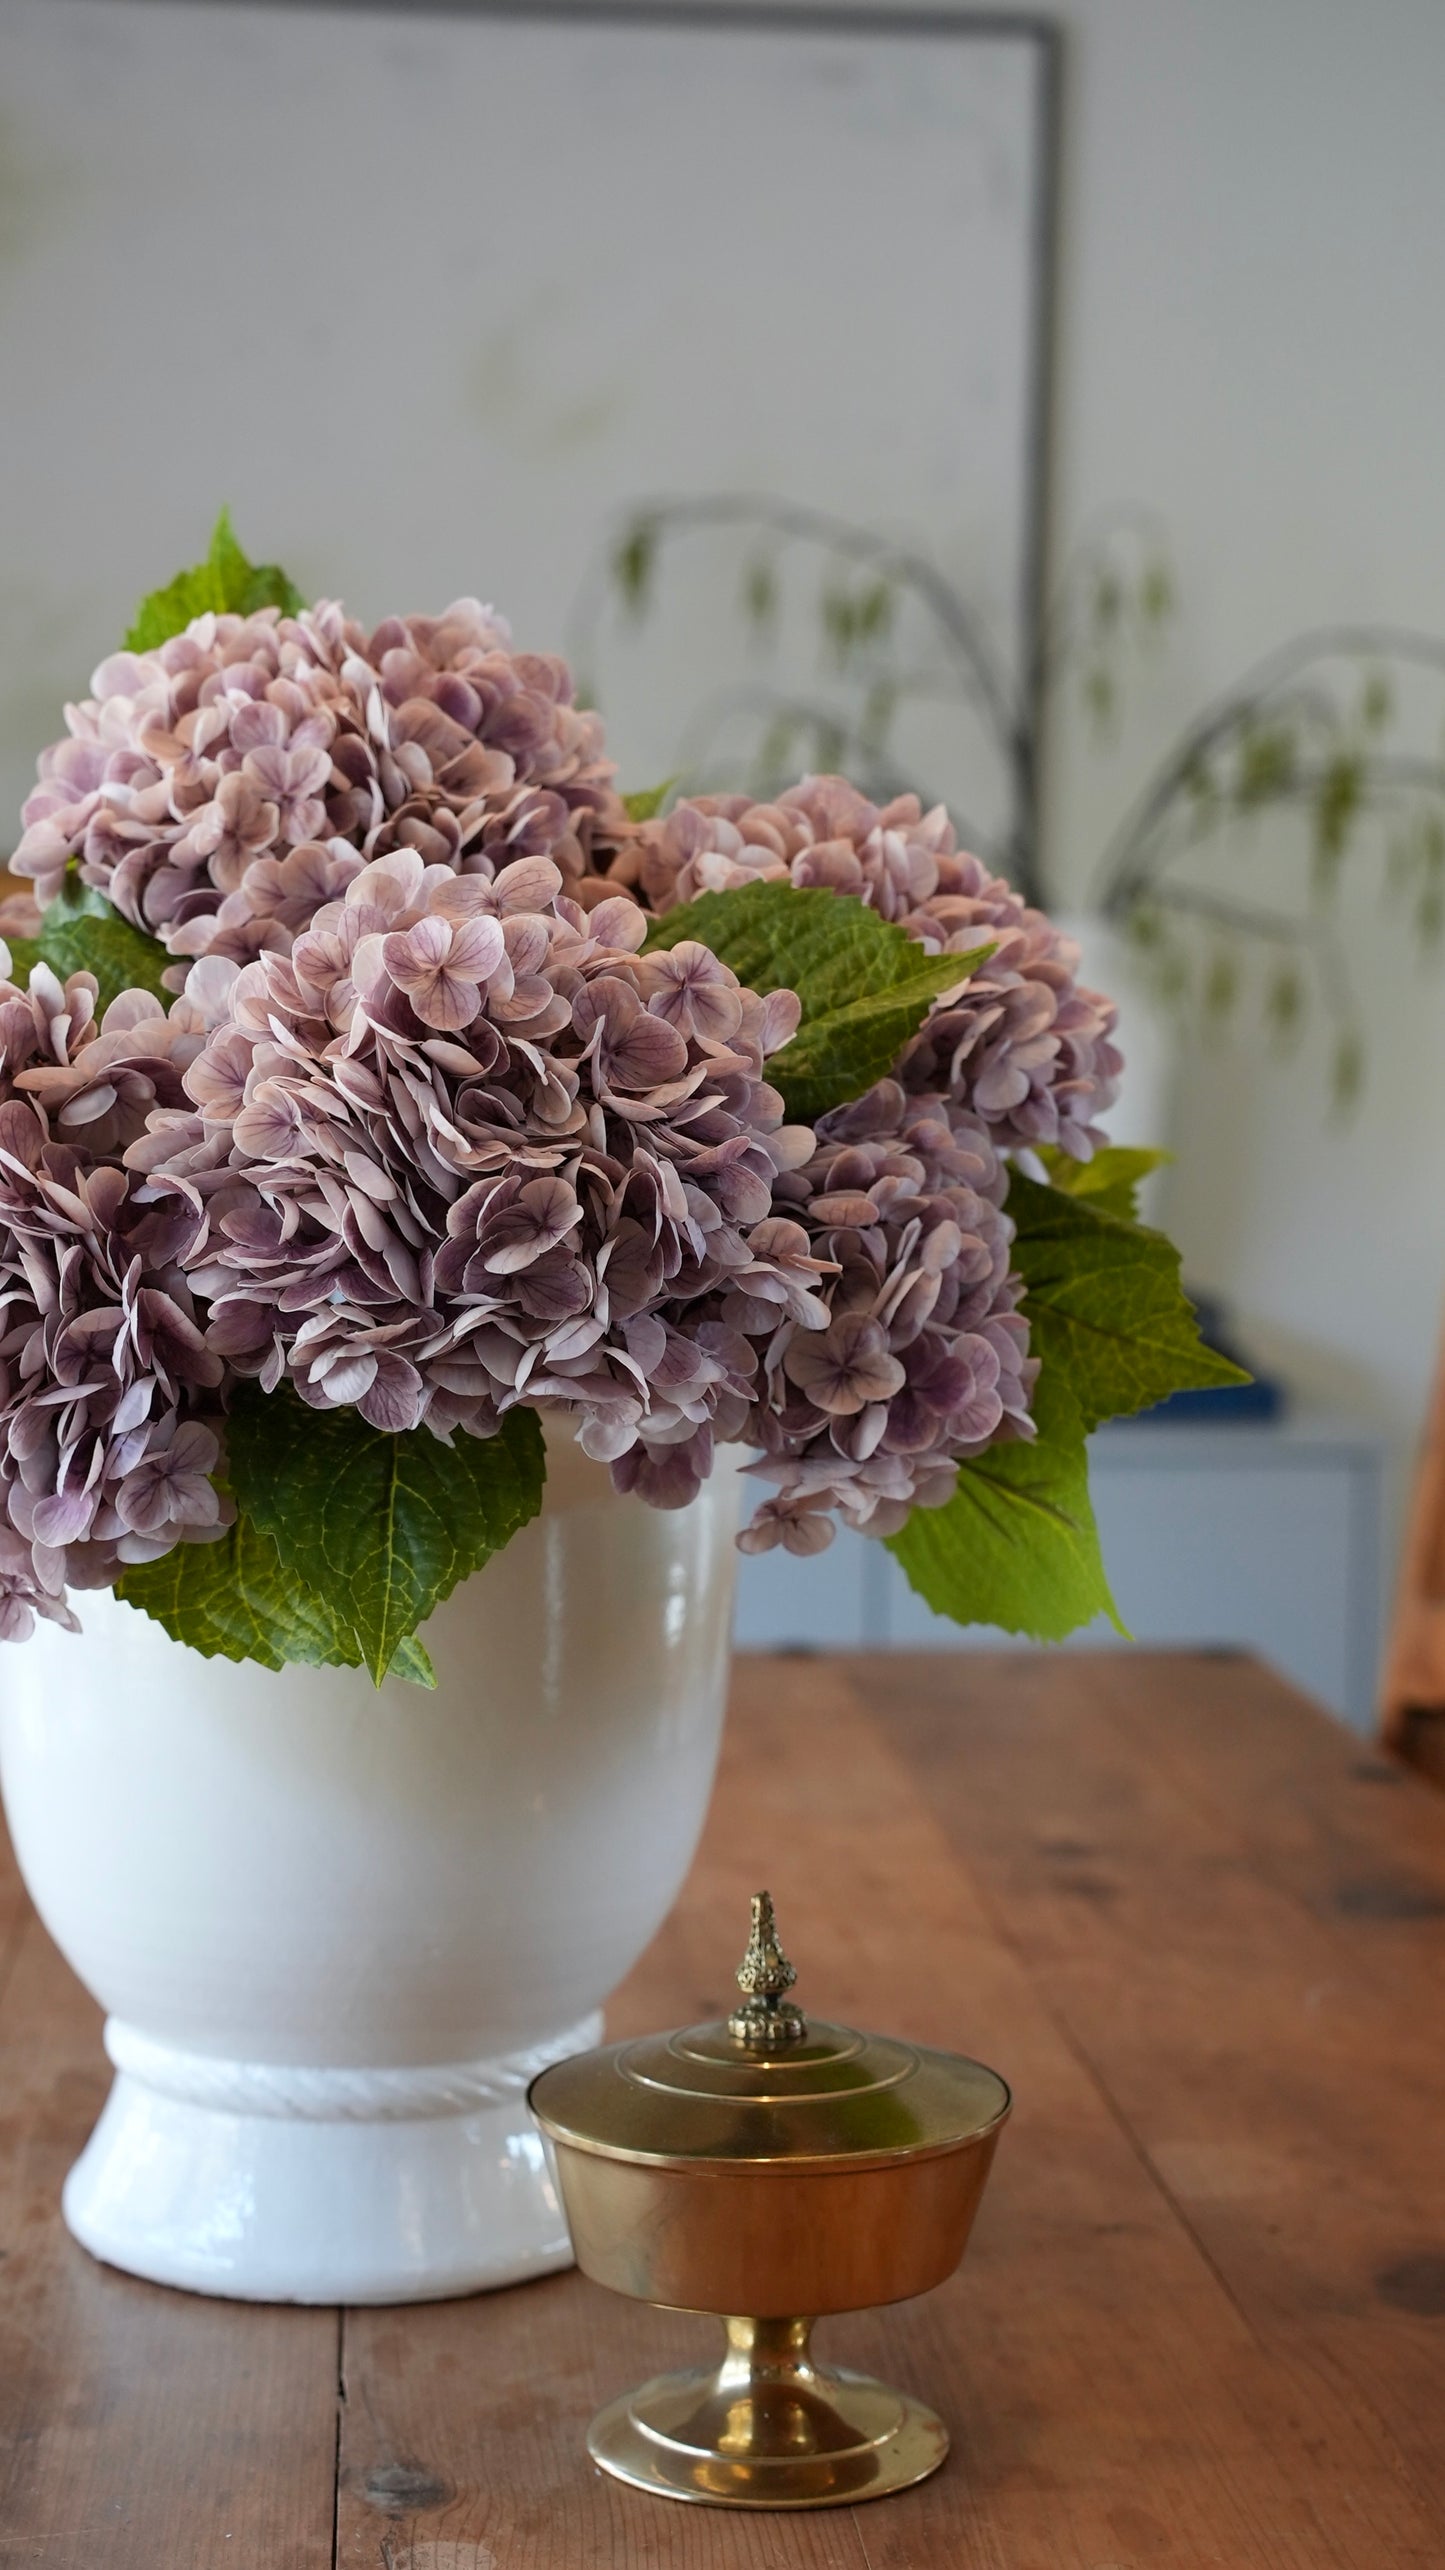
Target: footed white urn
(337, 1929)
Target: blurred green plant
(889, 629)
(1339, 731)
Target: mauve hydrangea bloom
(466, 1148)
(97, 1085)
(925, 1357)
(103, 1367)
(222, 789)
(100, 1355)
(23, 1595)
(426, 1134)
(1024, 1046)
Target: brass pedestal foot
(768, 2429)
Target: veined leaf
(95, 941)
(647, 805)
(412, 1660)
(226, 583)
(1104, 1304)
(82, 932)
(77, 899)
(838, 1056)
(1016, 1545)
(381, 1526)
(231, 1600)
(1110, 1181)
(865, 986)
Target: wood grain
(1202, 2321)
(139, 2429)
(1253, 1976)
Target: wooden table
(1203, 2317)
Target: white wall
(1252, 296)
(576, 265)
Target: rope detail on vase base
(404, 2094)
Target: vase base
(268, 2183)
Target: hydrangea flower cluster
(424, 1133)
(109, 1419)
(465, 1147)
(925, 1357)
(1029, 1049)
(224, 788)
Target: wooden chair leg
(1412, 1703)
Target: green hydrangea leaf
(1016, 1545)
(1104, 1304)
(80, 931)
(865, 986)
(77, 899)
(832, 950)
(412, 1660)
(226, 583)
(838, 1056)
(232, 1600)
(1110, 1181)
(382, 1526)
(647, 805)
(109, 947)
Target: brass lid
(765, 2086)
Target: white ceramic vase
(336, 1929)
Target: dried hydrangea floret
(925, 1357)
(23, 1594)
(427, 1134)
(108, 1428)
(224, 788)
(466, 1147)
(1024, 1046)
(102, 1364)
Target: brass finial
(767, 2018)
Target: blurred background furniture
(1412, 1697)
(1264, 1537)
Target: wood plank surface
(1202, 2320)
(139, 2429)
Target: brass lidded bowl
(769, 2170)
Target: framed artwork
(436, 301)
